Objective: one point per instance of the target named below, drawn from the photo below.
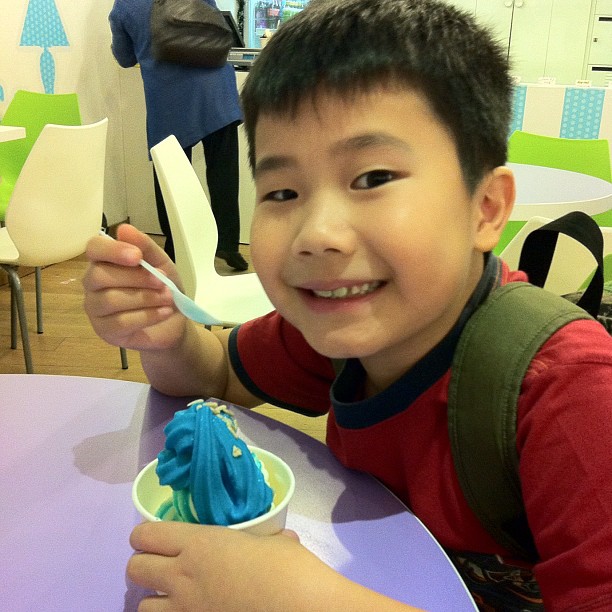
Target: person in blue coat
(194, 104)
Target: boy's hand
(219, 569)
(211, 568)
(128, 306)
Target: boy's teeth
(342, 292)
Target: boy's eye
(281, 195)
(372, 179)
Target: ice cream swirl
(215, 479)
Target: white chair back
(193, 225)
(231, 299)
(56, 205)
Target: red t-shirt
(564, 440)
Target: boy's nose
(325, 227)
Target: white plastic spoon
(185, 304)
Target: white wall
(85, 66)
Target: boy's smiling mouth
(348, 291)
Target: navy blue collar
(352, 413)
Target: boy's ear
(494, 202)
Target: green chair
(31, 110)
(588, 156)
(55, 208)
(34, 110)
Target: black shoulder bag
(189, 32)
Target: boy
(377, 135)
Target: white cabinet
(495, 14)
(543, 37)
(601, 40)
(568, 40)
(467, 5)
(530, 37)
(599, 69)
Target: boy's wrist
(195, 365)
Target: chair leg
(17, 298)
(124, 359)
(39, 315)
(13, 319)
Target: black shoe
(234, 260)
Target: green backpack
(494, 351)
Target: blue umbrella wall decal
(43, 28)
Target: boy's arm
(215, 568)
(198, 365)
(129, 307)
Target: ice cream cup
(148, 495)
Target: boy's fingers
(168, 538)
(165, 538)
(155, 603)
(104, 249)
(291, 534)
(149, 571)
(128, 249)
(150, 250)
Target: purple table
(70, 448)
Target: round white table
(70, 448)
(551, 193)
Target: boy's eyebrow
(369, 139)
(354, 143)
(273, 162)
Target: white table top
(551, 193)
(9, 132)
(70, 448)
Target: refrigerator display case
(262, 15)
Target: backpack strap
(539, 248)
(494, 351)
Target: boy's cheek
(262, 255)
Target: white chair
(230, 299)
(572, 263)
(55, 208)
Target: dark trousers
(221, 155)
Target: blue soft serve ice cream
(215, 478)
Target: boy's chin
(338, 348)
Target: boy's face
(364, 234)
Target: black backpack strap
(496, 347)
(539, 247)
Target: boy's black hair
(350, 46)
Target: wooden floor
(69, 345)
